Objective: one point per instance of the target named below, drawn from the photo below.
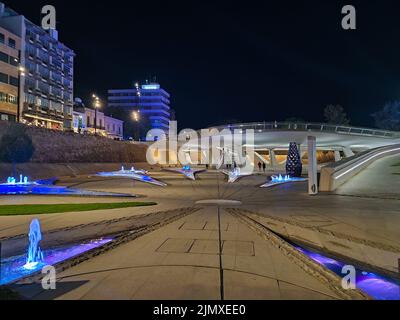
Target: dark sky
(247, 60)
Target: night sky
(243, 61)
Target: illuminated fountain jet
(21, 266)
(235, 174)
(35, 255)
(278, 180)
(187, 171)
(138, 175)
(23, 181)
(45, 187)
(124, 171)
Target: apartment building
(150, 99)
(47, 85)
(10, 45)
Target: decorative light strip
(365, 161)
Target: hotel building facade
(46, 88)
(151, 100)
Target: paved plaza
(210, 252)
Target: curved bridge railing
(336, 174)
(311, 127)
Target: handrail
(336, 174)
(321, 127)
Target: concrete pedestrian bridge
(277, 135)
(272, 139)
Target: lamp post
(21, 73)
(96, 105)
(136, 118)
(136, 114)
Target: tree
(16, 146)
(336, 115)
(389, 117)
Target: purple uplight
(376, 286)
(12, 269)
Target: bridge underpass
(271, 141)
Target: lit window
(13, 61)
(3, 97)
(12, 99)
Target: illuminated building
(10, 45)
(84, 122)
(47, 85)
(151, 100)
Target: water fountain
(24, 265)
(377, 286)
(233, 175)
(281, 178)
(278, 180)
(23, 186)
(139, 175)
(188, 172)
(11, 181)
(35, 255)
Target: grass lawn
(35, 209)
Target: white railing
(310, 127)
(336, 174)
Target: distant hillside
(61, 147)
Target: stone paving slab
(286, 210)
(139, 270)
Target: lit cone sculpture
(294, 167)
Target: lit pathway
(181, 261)
(379, 180)
(364, 229)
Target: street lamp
(21, 73)
(136, 114)
(136, 118)
(97, 105)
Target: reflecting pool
(376, 286)
(47, 187)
